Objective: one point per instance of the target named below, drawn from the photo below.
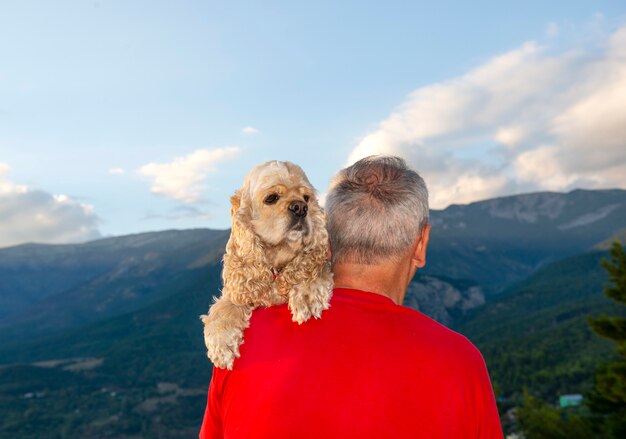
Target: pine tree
(607, 400)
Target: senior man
(369, 368)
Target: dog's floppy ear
(246, 276)
(235, 202)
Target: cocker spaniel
(277, 253)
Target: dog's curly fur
(273, 256)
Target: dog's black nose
(298, 208)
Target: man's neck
(388, 280)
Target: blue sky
(125, 116)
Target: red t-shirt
(367, 369)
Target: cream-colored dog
(277, 253)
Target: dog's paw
(299, 306)
(318, 303)
(222, 356)
(319, 296)
(310, 301)
(222, 345)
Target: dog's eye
(306, 198)
(271, 199)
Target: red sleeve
(212, 422)
(489, 426)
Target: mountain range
(51, 287)
(503, 240)
(103, 338)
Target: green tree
(607, 400)
(538, 420)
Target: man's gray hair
(375, 209)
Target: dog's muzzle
(298, 209)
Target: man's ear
(419, 254)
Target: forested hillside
(536, 333)
(103, 339)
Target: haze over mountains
(487, 245)
(516, 274)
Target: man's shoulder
(366, 316)
(408, 320)
(439, 339)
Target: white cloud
(530, 119)
(116, 171)
(510, 136)
(183, 179)
(249, 130)
(31, 215)
(6, 187)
